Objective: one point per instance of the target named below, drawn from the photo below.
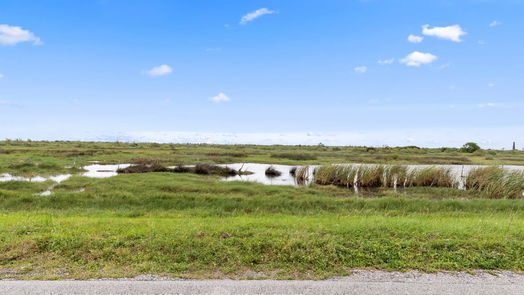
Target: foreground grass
(194, 226)
(278, 246)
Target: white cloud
(452, 33)
(361, 69)
(415, 39)
(416, 59)
(221, 97)
(487, 105)
(491, 85)
(12, 35)
(254, 15)
(495, 23)
(160, 71)
(386, 61)
(1, 76)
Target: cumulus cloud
(453, 33)
(12, 35)
(361, 69)
(495, 23)
(254, 15)
(386, 61)
(161, 70)
(221, 97)
(415, 39)
(416, 59)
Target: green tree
(470, 147)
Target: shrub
(470, 147)
(272, 172)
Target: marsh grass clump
(182, 169)
(431, 176)
(202, 169)
(341, 175)
(302, 175)
(272, 172)
(496, 182)
(371, 175)
(293, 171)
(209, 169)
(395, 175)
(142, 168)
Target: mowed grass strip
(280, 246)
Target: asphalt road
(364, 283)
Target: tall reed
(342, 175)
(431, 176)
(302, 175)
(496, 182)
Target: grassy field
(37, 157)
(194, 226)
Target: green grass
(277, 245)
(195, 226)
(192, 226)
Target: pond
(258, 173)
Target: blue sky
(338, 72)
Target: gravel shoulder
(361, 282)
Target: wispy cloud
(255, 14)
(221, 97)
(160, 70)
(12, 35)
(444, 66)
(495, 23)
(386, 61)
(360, 69)
(416, 59)
(452, 33)
(1, 75)
(415, 39)
(487, 105)
(9, 104)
